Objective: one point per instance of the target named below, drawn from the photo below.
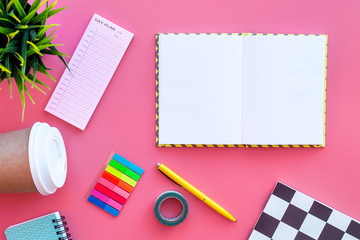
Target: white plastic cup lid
(47, 158)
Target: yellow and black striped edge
(233, 145)
(157, 87)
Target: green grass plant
(23, 43)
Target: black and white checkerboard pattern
(292, 215)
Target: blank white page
(200, 89)
(92, 66)
(283, 89)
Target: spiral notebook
(48, 227)
(240, 90)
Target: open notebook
(240, 90)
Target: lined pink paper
(92, 66)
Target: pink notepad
(92, 66)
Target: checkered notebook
(292, 215)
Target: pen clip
(169, 178)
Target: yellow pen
(177, 179)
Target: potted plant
(23, 42)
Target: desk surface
(239, 179)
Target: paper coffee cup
(32, 160)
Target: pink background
(238, 179)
